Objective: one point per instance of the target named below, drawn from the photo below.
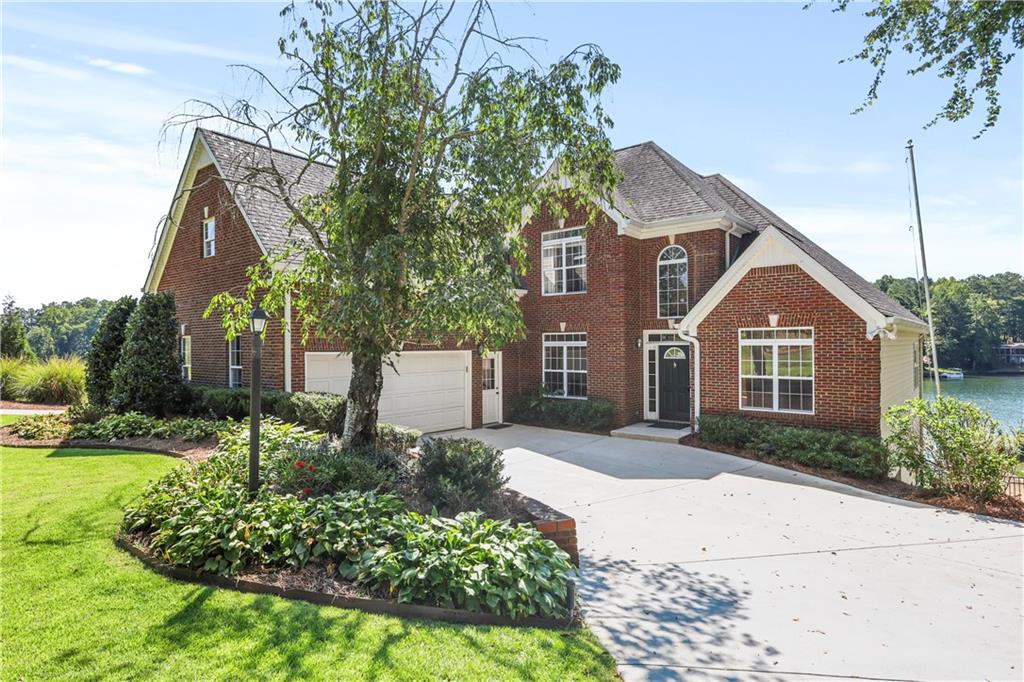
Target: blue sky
(753, 91)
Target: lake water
(1000, 396)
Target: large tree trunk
(363, 399)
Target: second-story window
(209, 237)
(673, 282)
(564, 261)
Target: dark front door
(673, 383)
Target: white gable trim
(552, 176)
(771, 248)
(199, 156)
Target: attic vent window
(209, 237)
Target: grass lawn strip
(75, 607)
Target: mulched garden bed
(13, 405)
(1003, 507)
(315, 585)
(194, 451)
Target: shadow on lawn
(664, 618)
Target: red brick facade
(846, 363)
(619, 305)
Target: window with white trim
(673, 282)
(777, 370)
(563, 257)
(917, 365)
(235, 362)
(209, 237)
(186, 357)
(565, 365)
(487, 374)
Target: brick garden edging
(379, 606)
(554, 525)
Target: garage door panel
(428, 392)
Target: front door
(491, 380)
(673, 384)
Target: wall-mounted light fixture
(639, 344)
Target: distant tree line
(972, 315)
(52, 330)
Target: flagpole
(924, 270)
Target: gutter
(695, 342)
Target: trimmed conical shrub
(105, 350)
(147, 377)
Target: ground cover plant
(114, 426)
(858, 456)
(952, 447)
(76, 607)
(317, 505)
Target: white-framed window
(235, 362)
(917, 366)
(209, 237)
(186, 357)
(563, 258)
(673, 282)
(565, 365)
(487, 374)
(777, 370)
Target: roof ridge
(274, 150)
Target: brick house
(687, 296)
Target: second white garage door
(430, 392)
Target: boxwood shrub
(860, 456)
(460, 474)
(594, 414)
(321, 411)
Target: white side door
(491, 381)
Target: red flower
(300, 464)
(312, 468)
(307, 491)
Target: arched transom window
(673, 282)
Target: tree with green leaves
(963, 40)
(13, 337)
(147, 377)
(105, 350)
(437, 129)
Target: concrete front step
(644, 431)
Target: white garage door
(429, 392)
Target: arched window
(673, 282)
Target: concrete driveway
(698, 565)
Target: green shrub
(321, 411)
(137, 425)
(86, 412)
(951, 446)
(58, 381)
(459, 474)
(469, 562)
(314, 469)
(594, 414)
(41, 427)
(105, 350)
(147, 377)
(202, 517)
(396, 439)
(859, 456)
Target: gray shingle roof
(655, 187)
(242, 163)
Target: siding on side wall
(897, 372)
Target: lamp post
(257, 323)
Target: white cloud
(44, 68)
(118, 67)
(802, 166)
(130, 39)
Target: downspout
(288, 342)
(695, 342)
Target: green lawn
(73, 606)
(6, 419)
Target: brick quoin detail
(846, 364)
(195, 280)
